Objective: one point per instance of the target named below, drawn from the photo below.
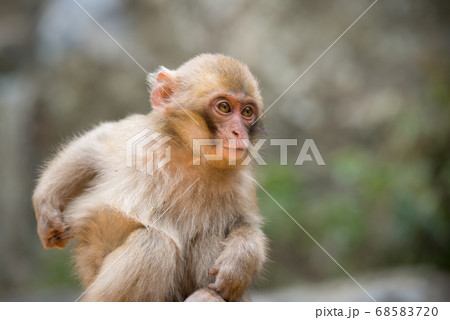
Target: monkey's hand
(233, 276)
(52, 229)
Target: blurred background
(377, 106)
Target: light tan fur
(157, 237)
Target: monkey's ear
(162, 85)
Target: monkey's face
(212, 98)
(229, 117)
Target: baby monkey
(187, 229)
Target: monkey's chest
(198, 256)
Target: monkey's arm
(64, 178)
(242, 258)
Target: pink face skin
(232, 116)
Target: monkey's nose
(236, 133)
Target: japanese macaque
(184, 231)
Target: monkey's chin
(233, 157)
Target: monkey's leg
(98, 233)
(144, 268)
(204, 295)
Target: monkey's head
(211, 97)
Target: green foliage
(56, 270)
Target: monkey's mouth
(235, 149)
(236, 146)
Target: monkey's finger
(214, 270)
(50, 242)
(56, 237)
(212, 286)
(218, 284)
(56, 242)
(62, 243)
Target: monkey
(186, 232)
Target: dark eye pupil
(248, 112)
(224, 107)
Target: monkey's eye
(247, 112)
(224, 107)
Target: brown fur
(166, 236)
